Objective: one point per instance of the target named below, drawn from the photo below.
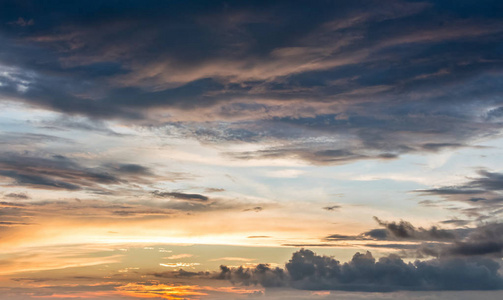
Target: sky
(251, 149)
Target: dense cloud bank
(308, 271)
(404, 77)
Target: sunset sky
(251, 149)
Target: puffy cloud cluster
(308, 271)
(262, 274)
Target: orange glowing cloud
(178, 256)
(160, 290)
(80, 295)
(175, 292)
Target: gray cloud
(262, 274)
(403, 230)
(332, 207)
(255, 209)
(181, 196)
(483, 240)
(214, 190)
(487, 182)
(28, 139)
(20, 196)
(8, 223)
(317, 157)
(382, 80)
(309, 271)
(456, 222)
(12, 204)
(64, 123)
(62, 173)
(482, 193)
(182, 274)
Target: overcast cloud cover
(135, 134)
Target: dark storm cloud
(308, 271)
(388, 79)
(62, 173)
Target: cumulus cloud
(262, 274)
(308, 271)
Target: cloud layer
(309, 271)
(411, 77)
